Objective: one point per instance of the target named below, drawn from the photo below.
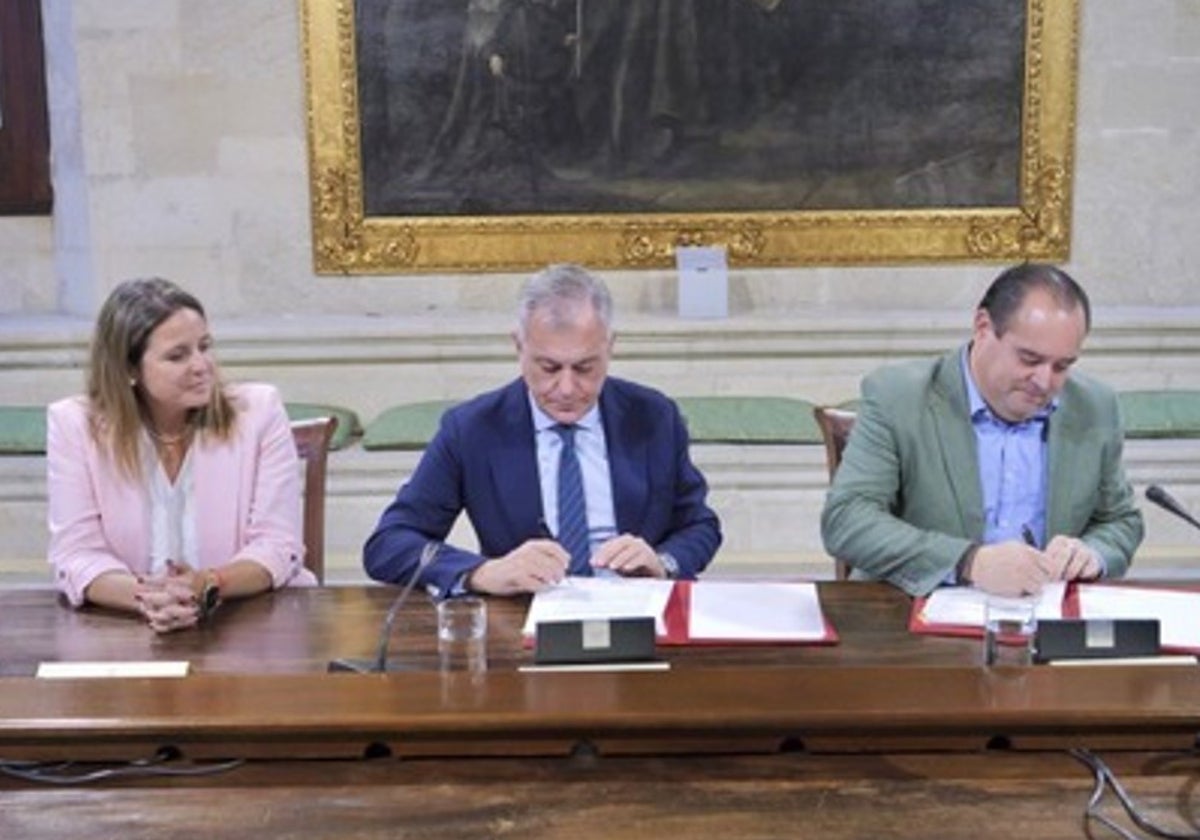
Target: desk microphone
(1168, 503)
(379, 664)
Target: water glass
(1009, 625)
(462, 634)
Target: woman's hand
(168, 602)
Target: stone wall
(180, 149)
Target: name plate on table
(1096, 638)
(101, 670)
(594, 640)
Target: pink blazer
(247, 497)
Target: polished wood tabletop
(259, 682)
(885, 733)
(296, 631)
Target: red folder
(1073, 609)
(1070, 609)
(676, 620)
(918, 624)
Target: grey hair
(560, 289)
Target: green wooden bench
(727, 419)
(409, 426)
(23, 427)
(744, 420)
(1161, 414)
(750, 420)
(23, 430)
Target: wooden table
(884, 734)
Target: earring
(132, 382)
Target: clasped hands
(1014, 568)
(170, 601)
(540, 563)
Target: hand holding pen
(1071, 558)
(1027, 535)
(535, 564)
(1067, 558)
(1011, 568)
(544, 533)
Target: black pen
(543, 533)
(1027, 534)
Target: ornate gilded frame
(345, 241)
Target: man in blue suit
(500, 457)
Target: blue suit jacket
(484, 460)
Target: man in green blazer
(993, 465)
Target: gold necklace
(168, 440)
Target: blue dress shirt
(1012, 468)
(592, 449)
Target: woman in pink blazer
(168, 490)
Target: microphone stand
(379, 664)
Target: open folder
(958, 611)
(693, 612)
(1177, 610)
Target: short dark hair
(1007, 292)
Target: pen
(1027, 535)
(543, 533)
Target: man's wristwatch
(670, 565)
(209, 596)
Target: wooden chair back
(312, 445)
(835, 425)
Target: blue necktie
(572, 506)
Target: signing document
(1178, 612)
(963, 605)
(580, 598)
(747, 611)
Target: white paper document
(963, 605)
(749, 611)
(580, 598)
(1178, 612)
(96, 670)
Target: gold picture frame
(347, 240)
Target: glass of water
(1009, 625)
(462, 634)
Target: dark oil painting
(505, 107)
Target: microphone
(379, 664)
(1168, 503)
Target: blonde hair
(116, 404)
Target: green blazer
(907, 502)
